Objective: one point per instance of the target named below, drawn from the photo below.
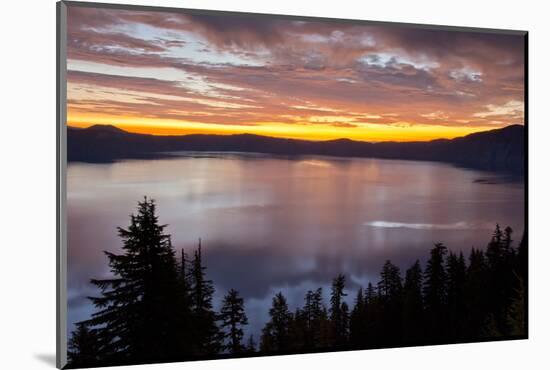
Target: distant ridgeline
(497, 150)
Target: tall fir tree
(276, 333)
(522, 259)
(370, 294)
(206, 334)
(233, 319)
(136, 313)
(184, 319)
(413, 305)
(389, 286)
(374, 328)
(435, 294)
(476, 294)
(82, 348)
(358, 320)
(312, 322)
(339, 312)
(501, 261)
(517, 311)
(390, 301)
(456, 280)
(495, 249)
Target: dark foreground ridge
(496, 150)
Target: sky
(169, 73)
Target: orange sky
(173, 74)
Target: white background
(27, 152)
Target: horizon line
(282, 136)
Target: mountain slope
(499, 150)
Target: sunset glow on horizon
(174, 74)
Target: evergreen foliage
(154, 309)
(233, 319)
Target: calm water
(270, 224)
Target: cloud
(512, 108)
(343, 124)
(209, 66)
(466, 74)
(461, 225)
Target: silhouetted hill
(499, 150)
(106, 128)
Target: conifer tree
(374, 328)
(456, 280)
(389, 286)
(338, 315)
(82, 348)
(476, 292)
(507, 240)
(501, 261)
(135, 317)
(522, 259)
(390, 300)
(370, 294)
(413, 310)
(311, 322)
(495, 249)
(358, 320)
(345, 323)
(233, 318)
(184, 319)
(435, 293)
(517, 311)
(275, 334)
(206, 335)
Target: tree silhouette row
(158, 308)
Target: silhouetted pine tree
(184, 317)
(136, 313)
(275, 334)
(206, 335)
(233, 318)
(522, 259)
(297, 330)
(358, 320)
(339, 312)
(519, 305)
(517, 312)
(374, 328)
(502, 281)
(389, 286)
(345, 323)
(311, 323)
(507, 240)
(456, 299)
(476, 292)
(495, 248)
(390, 299)
(435, 294)
(82, 348)
(413, 305)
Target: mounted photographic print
(235, 185)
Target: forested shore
(158, 305)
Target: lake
(289, 224)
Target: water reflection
(272, 224)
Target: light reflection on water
(270, 224)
